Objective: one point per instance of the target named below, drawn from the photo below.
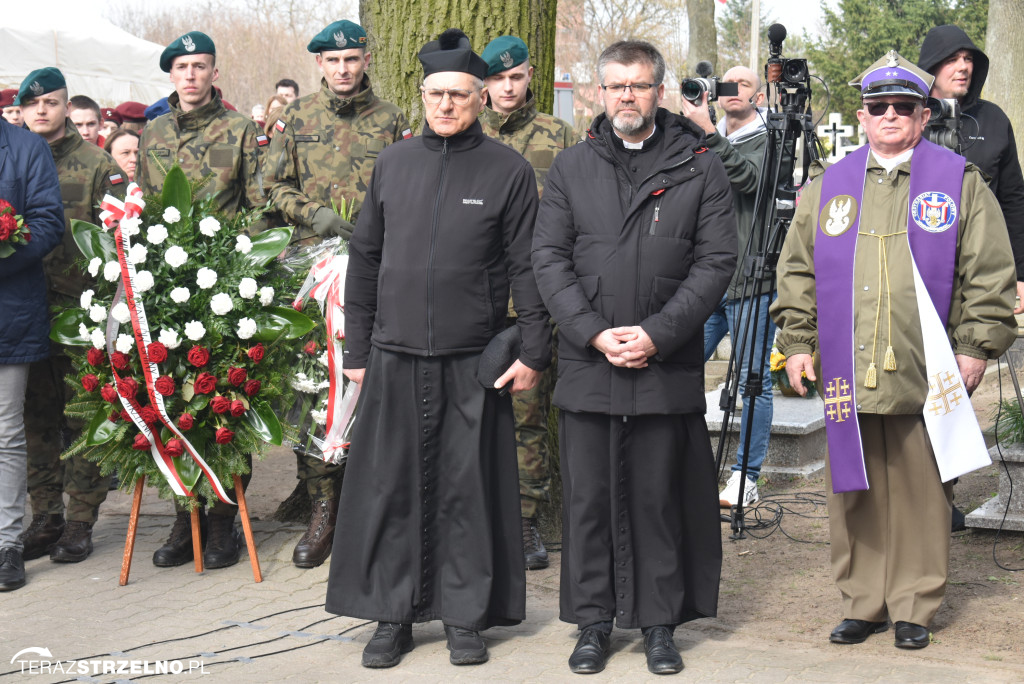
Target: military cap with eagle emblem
(339, 35)
(192, 43)
(451, 52)
(503, 53)
(40, 82)
(894, 75)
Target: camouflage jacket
(535, 135)
(323, 150)
(86, 175)
(210, 141)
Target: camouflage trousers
(49, 432)
(323, 480)
(531, 411)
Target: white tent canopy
(97, 58)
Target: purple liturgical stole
(936, 180)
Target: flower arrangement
(13, 230)
(781, 380)
(182, 343)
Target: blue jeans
(725, 319)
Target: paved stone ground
(79, 612)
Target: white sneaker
(728, 497)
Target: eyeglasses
(635, 88)
(457, 95)
(880, 108)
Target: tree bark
(1004, 45)
(397, 29)
(703, 35)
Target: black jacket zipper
(430, 259)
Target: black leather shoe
(12, 569)
(467, 646)
(75, 544)
(856, 631)
(591, 652)
(41, 535)
(662, 655)
(315, 545)
(909, 635)
(387, 645)
(533, 548)
(223, 545)
(178, 549)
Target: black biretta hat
(451, 52)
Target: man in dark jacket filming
(431, 490)
(634, 246)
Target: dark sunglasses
(880, 108)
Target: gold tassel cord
(889, 363)
(871, 381)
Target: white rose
(324, 359)
(221, 303)
(180, 295)
(130, 226)
(171, 215)
(246, 328)
(124, 343)
(83, 331)
(94, 266)
(243, 244)
(319, 416)
(176, 256)
(247, 288)
(97, 313)
(206, 278)
(156, 234)
(169, 338)
(209, 226)
(99, 338)
(137, 253)
(194, 330)
(121, 313)
(266, 296)
(143, 281)
(86, 299)
(111, 271)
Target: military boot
(12, 569)
(41, 535)
(315, 545)
(533, 548)
(178, 549)
(224, 544)
(75, 544)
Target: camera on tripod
(943, 128)
(693, 89)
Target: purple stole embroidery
(936, 180)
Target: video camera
(790, 76)
(693, 89)
(943, 128)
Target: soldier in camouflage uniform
(86, 174)
(207, 141)
(511, 116)
(322, 153)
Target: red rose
(95, 356)
(90, 382)
(185, 421)
(174, 448)
(311, 348)
(198, 356)
(252, 387)
(109, 393)
(114, 416)
(165, 385)
(205, 383)
(223, 436)
(119, 360)
(149, 415)
(256, 353)
(157, 352)
(220, 404)
(127, 388)
(237, 408)
(124, 416)
(140, 443)
(236, 376)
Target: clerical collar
(893, 162)
(636, 146)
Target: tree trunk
(397, 29)
(703, 35)
(1004, 45)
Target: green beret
(503, 53)
(340, 35)
(40, 82)
(192, 43)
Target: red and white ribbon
(114, 210)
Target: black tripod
(788, 119)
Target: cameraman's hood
(943, 41)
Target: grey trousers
(13, 452)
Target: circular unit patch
(933, 211)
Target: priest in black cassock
(428, 527)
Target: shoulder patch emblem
(279, 125)
(116, 179)
(933, 211)
(406, 134)
(835, 219)
(262, 140)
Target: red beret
(131, 111)
(7, 96)
(110, 114)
